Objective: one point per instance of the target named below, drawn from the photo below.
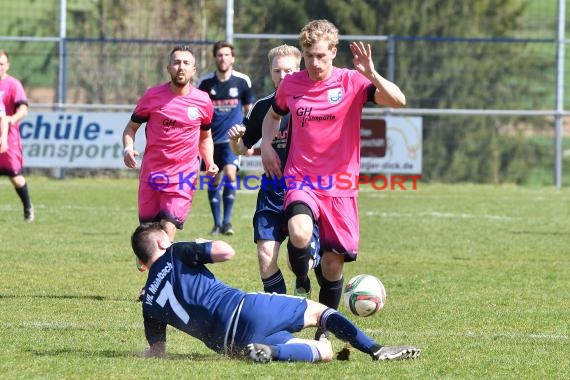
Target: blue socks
(346, 331)
(214, 197)
(229, 198)
(296, 352)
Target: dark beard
(179, 84)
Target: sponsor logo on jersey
(335, 95)
(193, 113)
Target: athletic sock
(229, 198)
(304, 283)
(275, 283)
(24, 196)
(347, 331)
(299, 260)
(330, 292)
(214, 198)
(296, 352)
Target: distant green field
(477, 276)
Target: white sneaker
(396, 353)
(259, 353)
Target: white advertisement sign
(403, 153)
(75, 139)
(392, 144)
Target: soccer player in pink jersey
(15, 103)
(178, 117)
(269, 224)
(326, 105)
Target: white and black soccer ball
(364, 295)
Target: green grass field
(477, 276)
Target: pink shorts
(171, 203)
(11, 162)
(337, 217)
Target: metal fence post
(559, 121)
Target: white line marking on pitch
(437, 214)
(472, 334)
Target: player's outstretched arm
(155, 332)
(387, 93)
(221, 251)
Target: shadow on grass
(540, 233)
(69, 296)
(121, 354)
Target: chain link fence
(87, 66)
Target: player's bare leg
(271, 276)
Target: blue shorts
(269, 222)
(223, 155)
(269, 318)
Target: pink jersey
(173, 125)
(12, 94)
(325, 133)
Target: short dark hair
(142, 242)
(222, 44)
(179, 48)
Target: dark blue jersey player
(232, 96)
(183, 293)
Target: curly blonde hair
(318, 30)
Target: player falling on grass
(15, 102)
(178, 118)
(269, 224)
(232, 96)
(325, 103)
(183, 293)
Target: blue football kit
(181, 292)
(269, 222)
(228, 98)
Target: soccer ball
(364, 295)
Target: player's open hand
(362, 57)
(236, 132)
(130, 158)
